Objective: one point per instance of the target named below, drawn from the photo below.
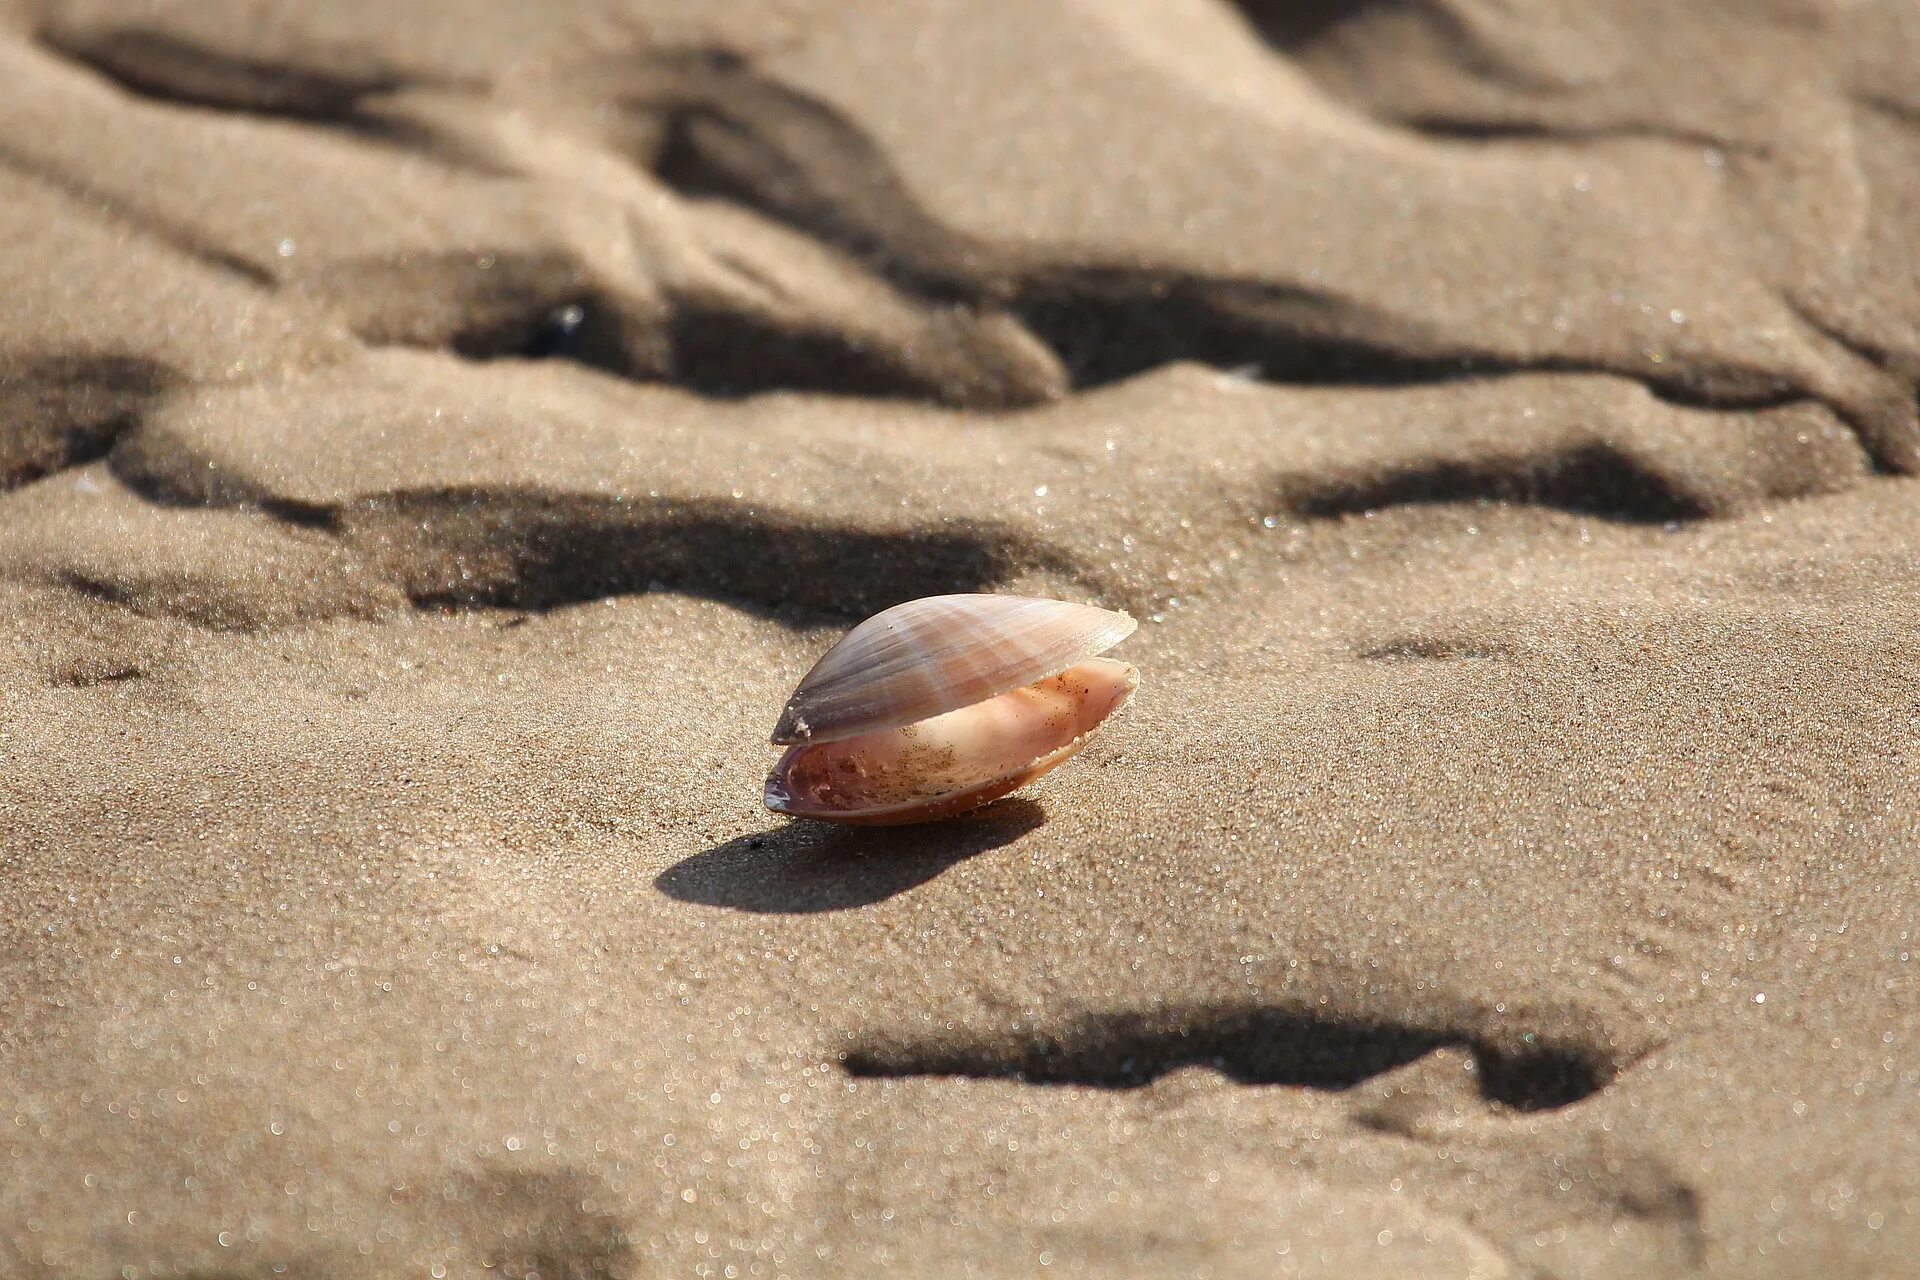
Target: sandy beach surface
(435, 439)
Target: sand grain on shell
(430, 452)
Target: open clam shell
(939, 705)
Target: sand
(433, 443)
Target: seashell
(940, 705)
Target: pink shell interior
(953, 762)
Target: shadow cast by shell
(809, 867)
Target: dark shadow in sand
(811, 866)
(1310, 1049)
(534, 548)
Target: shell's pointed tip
(776, 797)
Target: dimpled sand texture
(434, 441)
